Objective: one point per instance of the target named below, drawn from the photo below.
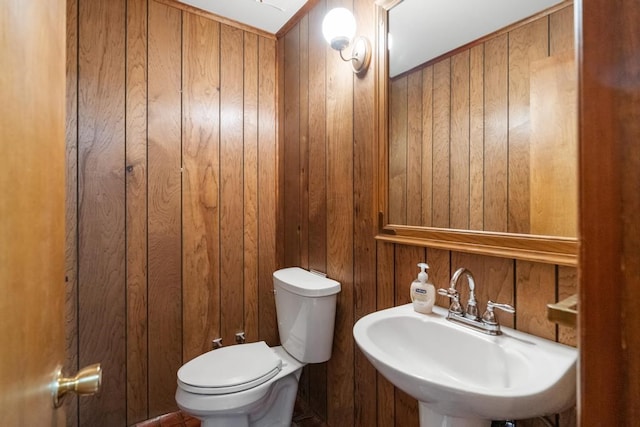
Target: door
(32, 103)
(609, 127)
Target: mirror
(477, 143)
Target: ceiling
(422, 30)
(265, 15)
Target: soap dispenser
(423, 293)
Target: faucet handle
(452, 294)
(490, 317)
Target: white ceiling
(266, 15)
(420, 29)
(425, 29)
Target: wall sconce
(339, 28)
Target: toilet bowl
(254, 384)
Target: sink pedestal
(430, 418)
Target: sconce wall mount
(339, 29)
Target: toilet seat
(230, 369)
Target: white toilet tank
(306, 312)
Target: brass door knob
(87, 381)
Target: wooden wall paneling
(440, 173)
(292, 191)
(303, 139)
(200, 184)
(250, 165)
(317, 189)
(406, 271)
(427, 146)
(526, 44)
(459, 147)
(476, 137)
(398, 96)
(561, 31)
(71, 207)
(136, 206)
(496, 134)
(164, 206)
(101, 199)
(365, 226)
(340, 233)
(267, 183)
(231, 183)
(535, 288)
(414, 149)
(385, 298)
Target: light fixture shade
(339, 27)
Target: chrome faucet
(469, 317)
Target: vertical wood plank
(427, 147)
(281, 249)
(250, 165)
(535, 288)
(136, 205)
(476, 138)
(398, 95)
(340, 199)
(459, 149)
(317, 174)
(365, 212)
(414, 149)
(231, 183)
(406, 271)
(526, 44)
(554, 146)
(164, 206)
(317, 142)
(201, 185)
(101, 198)
(385, 298)
(267, 183)
(496, 134)
(71, 207)
(440, 175)
(296, 66)
(561, 31)
(303, 137)
(292, 191)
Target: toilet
(254, 384)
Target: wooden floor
(176, 419)
(301, 418)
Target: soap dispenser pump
(423, 293)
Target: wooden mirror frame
(546, 249)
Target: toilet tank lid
(305, 283)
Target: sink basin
(463, 377)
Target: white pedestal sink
(463, 378)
